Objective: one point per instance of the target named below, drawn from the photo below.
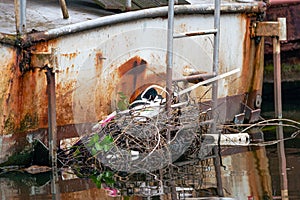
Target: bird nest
(145, 137)
(147, 144)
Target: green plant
(97, 146)
(123, 103)
(104, 177)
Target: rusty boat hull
(96, 58)
(98, 54)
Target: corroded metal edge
(28, 39)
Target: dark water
(248, 173)
(291, 110)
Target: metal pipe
(197, 33)
(278, 114)
(169, 70)
(128, 5)
(216, 61)
(52, 126)
(52, 131)
(217, 161)
(141, 14)
(64, 9)
(169, 81)
(20, 16)
(8, 39)
(194, 78)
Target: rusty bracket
(42, 59)
(270, 29)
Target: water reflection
(248, 173)
(245, 176)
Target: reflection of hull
(19, 185)
(99, 58)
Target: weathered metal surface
(107, 4)
(259, 7)
(20, 16)
(278, 114)
(125, 56)
(291, 11)
(246, 174)
(135, 4)
(41, 16)
(52, 127)
(46, 16)
(96, 60)
(270, 29)
(282, 2)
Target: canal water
(247, 172)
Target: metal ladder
(169, 79)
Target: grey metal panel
(109, 4)
(136, 4)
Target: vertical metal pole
(170, 53)
(216, 62)
(128, 4)
(278, 114)
(20, 15)
(52, 130)
(169, 81)
(217, 163)
(52, 127)
(64, 9)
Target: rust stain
(139, 91)
(64, 102)
(99, 63)
(10, 92)
(32, 85)
(44, 46)
(135, 62)
(100, 95)
(247, 60)
(183, 27)
(22, 108)
(70, 56)
(252, 66)
(129, 78)
(290, 11)
(131, 75)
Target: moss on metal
(9, 125)
(289, 72)
(29, 121)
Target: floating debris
(35, 169)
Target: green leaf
(107, 174)
(95, 138)
(98, 184)
(122, 105)
(122, 95)
(94, 151)
(109, 181)
(98, 147)
(106, 147)
(107, 140)
(77, 152)
(99, 177)
(91, 143)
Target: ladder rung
(194, 78)
(190, 34)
